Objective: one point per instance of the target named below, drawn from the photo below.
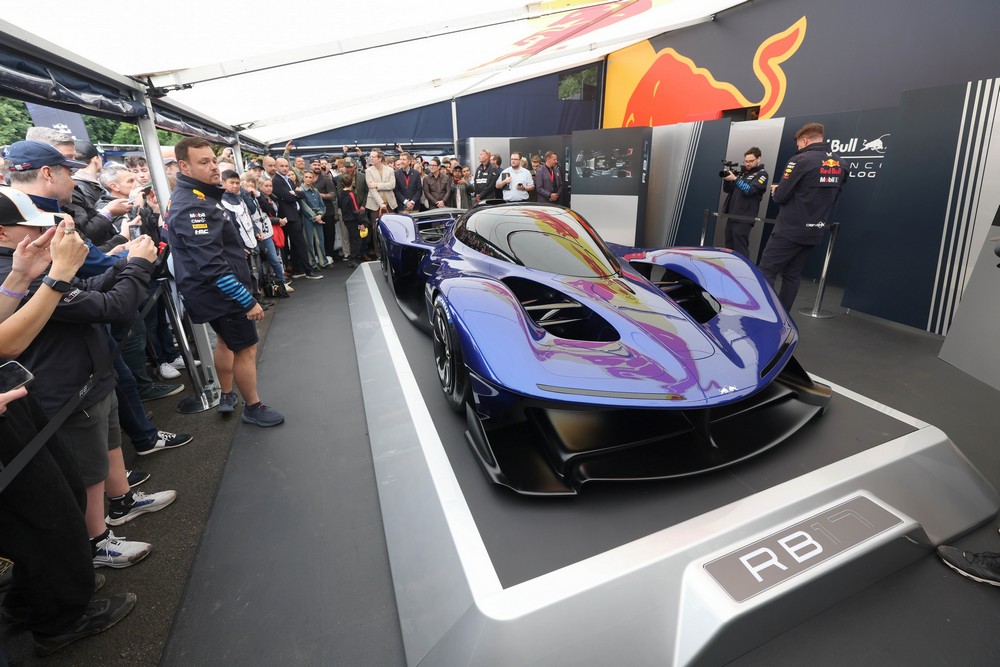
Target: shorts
(91, 434)
(236, 331)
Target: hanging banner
(57, 119)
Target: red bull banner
(650, 88)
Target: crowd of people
(84, 245)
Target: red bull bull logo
(674, 89)
(830, 163)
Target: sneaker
(161, 391)
(119, 552)
(289, 288)
(136, 477)
(982, 567)
(166, 440)
(99, 616)
(314, 276)
(179, 364)
(128, 508)
(227, 403)
(168, 372)
(298, 275)
(17, 618)
(261, 415)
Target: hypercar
(616, 163)
(576, 360)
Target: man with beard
(213, 277)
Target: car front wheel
(452, 374)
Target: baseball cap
(87, 151)
(169, 160)
(16, 208)
(349, 162)
(255, 165)
(28, 155)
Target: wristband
(12, 293)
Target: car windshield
(539, 237)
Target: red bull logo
(574, 24)
(830, 163)
(674, 89)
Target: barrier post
(206, 386)
(817, 310)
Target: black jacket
(73, 344)
(409, 186)
(206, 246)
(745, 193)
(287, 198)
(485, 181)
(808, 189)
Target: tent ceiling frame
(185, 78)
(486, 72)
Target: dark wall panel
(894, 269)
(703, 191)
(528, 108)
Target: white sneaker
(120, 512)
(168, 372)
(119, 552)
(179, 364)
(289, 288)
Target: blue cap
(28, 155)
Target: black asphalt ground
(176, 531)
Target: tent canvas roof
(282, 72)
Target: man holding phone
(71, 351)
(514, 181)
(44, 532)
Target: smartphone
(13, 375)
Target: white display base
(685, 594)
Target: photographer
(743, 195)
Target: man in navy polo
(213, 277)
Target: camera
(733, 167)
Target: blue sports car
(577, 360)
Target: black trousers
(330, 235)
(785, 258)
(42, 527)
(295, 239)
(738, 236)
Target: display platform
(691, 571)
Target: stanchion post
(817, 309)
(704, 225)
(203, 378)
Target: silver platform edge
(654, 599)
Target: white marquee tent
(277, 71)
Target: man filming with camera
(743, 194)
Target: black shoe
(99, 616)
(982, 567)
(17, 619)
(161, 391)
(165, 440)
(136, 477)
(313, 276)
(351, 263)
(6, 576)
